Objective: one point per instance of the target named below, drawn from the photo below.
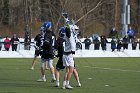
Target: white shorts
(43, 60)
(68, 60)
(50, 62)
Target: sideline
(122, 70)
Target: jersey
(47, 45)
(37, 41)
(70, 42)
(69, 46)
(59, 47)
(37, 45)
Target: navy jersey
(37, 45)
(48, 45)
(38, 41)
(59, 46)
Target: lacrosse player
(47, 53)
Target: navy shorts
(59, 65)
(37, 52)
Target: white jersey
(70, 43)
(69, 46)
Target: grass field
(97, 75)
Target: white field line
(123, 70)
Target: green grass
(121, 74)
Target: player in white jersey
(69, 50)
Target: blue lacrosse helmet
(47, 25)
(62, 31)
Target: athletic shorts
(43, 60)
(37, 52)
(59, 65)
(50, 62)
(68, 60)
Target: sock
(32, 67)
(67, 82)
(78, 81)
(57, 82)
(43, 76)
(64, 83)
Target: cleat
(63, 87)
(68, 87)
(79, 85)
(44, 79)
(41, 80)
(32, 68)
(57, 84)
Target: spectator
(96, 44)
(113, 33)
(6, 43)
(14, 41)
(113, 44)
(119, 44)
(130, 33)
(87, 42)
(125, 42)
(134, 43)
(103, 42)
(0, 43)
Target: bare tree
(93, 18)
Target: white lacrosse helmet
(74, 28)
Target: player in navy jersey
(37, 49)
(47, 53)
(59, 47)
